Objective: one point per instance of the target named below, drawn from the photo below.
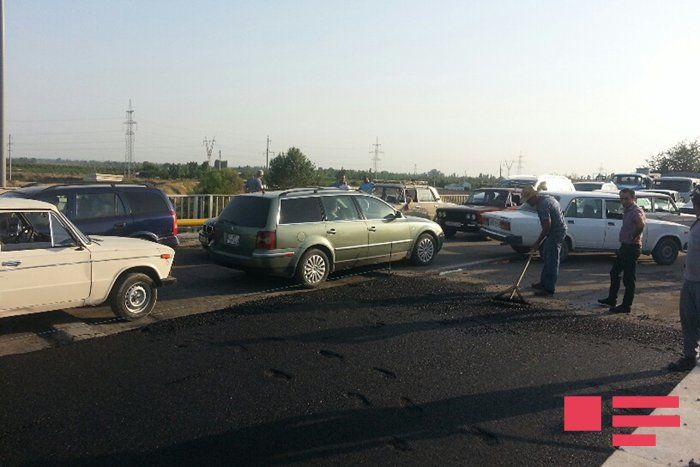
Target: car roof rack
(98, 184)
(312, 189)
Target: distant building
(218, 165)
(104, 178)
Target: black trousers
(625, 268)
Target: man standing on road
(550, 239)
(255, 184)
(633, 221)
(367, 186)
(342, 183)
(690, 295)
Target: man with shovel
(550, 240)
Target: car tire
(425, 250)
(449, 232)
(313, 268)
(133, 296)
(665, 252)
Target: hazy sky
(457, 86)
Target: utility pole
(415, 170)
(9, 155)
(520, 163)
(508, 165)
(3, 175)
(130, 131)
(375, 158)
(219, 159)
(209, 147)
(267, 154)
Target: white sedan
(593, 221)
(46, 264)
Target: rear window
(246, 211)
(145, 202)
(676, 185)
(297, 211)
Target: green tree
(220, 182)
(683, 157)
(291, 170)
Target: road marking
(460, 267)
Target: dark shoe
(620, 309)
(684, 364)
(537, 286)
(543, 293)
(607, 302)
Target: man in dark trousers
(690, 295)
(625, 264)
(550, 239)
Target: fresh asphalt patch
(395, 370)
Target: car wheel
(665, 252)
(313, 268)
(133, 297)
(424, 251)
(523, 250)
(449, 232)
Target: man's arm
(638, 227)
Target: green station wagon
(307, 233)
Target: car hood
(470, 208)
(127, 246)
(421, 220)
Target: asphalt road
(390, 370)
(201, 287)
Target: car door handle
(372, 229)
(120, 225)
(11, 264)
(330, 231)
(611, 223)
(570, 222)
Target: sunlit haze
(456, 86)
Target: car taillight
(174, 216)
(505, 225)
(266, 240)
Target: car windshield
(246, 211)
(627, 179)
(587, 186)
(516, 182)
(676, 185)
(495, 198)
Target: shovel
(513, 294)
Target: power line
(267, 154)
(376, 152)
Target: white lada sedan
(593, 220)
(46, 264)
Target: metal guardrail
(201, 207)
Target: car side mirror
(398, 215)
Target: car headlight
(441, 214)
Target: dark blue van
(111, 209)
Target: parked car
(593, 220)
(47, 263)
(683, 185)
(412, 198)
(540, 183)
(673, 194)
(120, 210)
(687, 208)
(467, 217)
(462, 186)
(634, 181)
(308, 233)
(206, 232)
(661, 207)
(595, 186)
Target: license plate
(233, 239)
(453, 224)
